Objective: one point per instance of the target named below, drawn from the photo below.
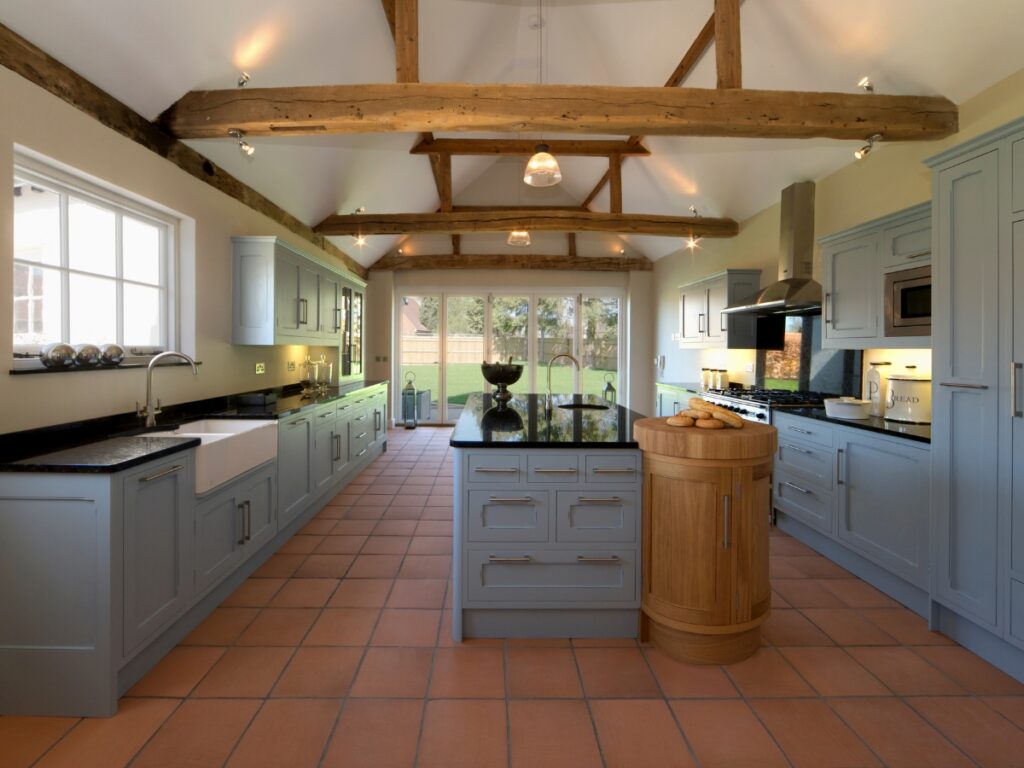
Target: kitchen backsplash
(900, 359)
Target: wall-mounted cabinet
(702, 320)
(854, 265)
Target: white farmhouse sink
(228, 447)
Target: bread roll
(680, 421)
(693, 413)
(728, 417)
(710, 424)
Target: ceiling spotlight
(243, 79)
(360, 209)
(244, 146)
(693, 210)
(542, 169)
(360, 241)
(866, 85)
(401, 251)
(620, 250)
(864, 151)
(519, 238)
(692, 242)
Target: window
(89, 266)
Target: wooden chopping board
(751, 442)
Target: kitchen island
(547, 518)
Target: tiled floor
(337, 653)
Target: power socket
(261, 368)
(291, 365)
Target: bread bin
(909, 398)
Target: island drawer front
(513, 515)
(613, 468)
(583, 516)
(813, 462)
(523, 575)
(805, 501)
(553, 468)
(360, 436)
(494, 467)
(800, 428)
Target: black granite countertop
(921, 433)
(290, 402)
(105, 456)
(526, 424)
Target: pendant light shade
(519, 237)
(542, 169)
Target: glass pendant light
(519, 237)
(542, 170)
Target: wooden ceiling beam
(394, 261)
(615, 184)
(490, 208)
(727, 44)
(571, 244)
(525, 147)
(389, 14)
(463, 222)
(416, 107)
(406, 34)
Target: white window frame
(65, 184)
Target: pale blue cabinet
(852, 291)
(1016, 398)
(702, 318)
(294, 465)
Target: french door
(444, 336)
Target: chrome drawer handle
(362, 452)
(361, 418)
(598, 500)
(597, 559)
(797, 449)
(297, 422)
(360, 436)
(954, 385)
(509, 559)
(324, 415)
(497, 470)
(556, 471)
(163, 473)
(796, 487)
(801, 431)
(510, 500)
(622, 471)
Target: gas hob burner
(776, 398)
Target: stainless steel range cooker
(758, 404)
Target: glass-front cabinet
(352, 334)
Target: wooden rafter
(389, 14)
(571, 238)
(406, 35)
(491, 208)
(445, 184)
(540, 221)
(394, 261)
(580, 147)
(727, 44)
(615, 184)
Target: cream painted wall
(892, 178)
(35, 119)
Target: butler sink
(228, 447)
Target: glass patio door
(464, 350)
(555, 334)
(510, 337)
(419, 352)
(599, 343)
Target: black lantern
(409, 401)
(609, 390)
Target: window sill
(78, 369)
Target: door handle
(376, 420)
(955, 385)
(726, 521)
(511, 500)
(597, 558)
(826, 306)
(248, 520)
(162, 473)
(555, 471)
(721, 322)
(241, 511)
(797, 449)
(700, 324)
(615, 471)
(796, 487)
(337, 320)
(337, 447)
(839, 464)
(497, 470)
(598, 500)
(509, 559)
(801, 431)
(303, 311)
(1015, 412)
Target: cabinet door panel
(692, 315)
(907, 245)
(294, 458)
(324, 450)
(309, 300)
(287, 309)
(330, 307)
(218, 541)
(809, 503)
(718, 300)
(1016, 378)
(852, 289)
(261, 496)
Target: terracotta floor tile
(725, 734)
(110, 742)
(318, 672)
(898, 735)
(552, 734)
(200, 734)
(463, 734)
(316, 527)
(543, 673)
(244, 673)
(970, 671)
(301, 544)
(377, 499)
(177, 673)
(331, 512)
(786, 627)
(343, 626)
(431, 545)
(289, 733)
(818, 567)
(603, 642)
(253, 593)
(906, 626)
(375, 567)
(904, 672)
(392, 673)
(24, 739)
(778, 568)
(426, 567)
(279, 567)
(1010, 707)
(417, 593)
(984, 734)
(360, 593)
(222, 627)
(847, 627)
(858, 594)
(538, 642)
(833, 672)
(689, 681)
(386, 545)
(348, 527)
(639, 734)
(778, 601)
(468, 673)
(787, 546)
(407, 627)
(611, 673)
(304, 593)
(812, 736)
(395, 528)
(438, 513)
(434, 528)
(340, 545)
(767, 674)
(325, 566)
(279, 626)
(375, 734)
(365, 512)
(807, 593)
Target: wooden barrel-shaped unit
(706, 508)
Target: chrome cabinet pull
(303, 311)
(248, 520)
(556, 471)
(839, 462)
(337, 320)
(361, 418)
(615, 471)
(509, 559)
(721, 322)
(162, 473)
(497, 470)
(241, 510)
(797, 449)
(598, 500)
(376, 420)
(360, 436)
(298, 421)
(1015, 412)
(324, 415)
(726, 521)
(825, 307)
(796, 487)
(801, 431)
(954, 385)
(597, 558)
(700, 324)
(362, 452)
(337, 447)
(511, 500)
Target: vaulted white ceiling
(147, 54)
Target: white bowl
(847, 408)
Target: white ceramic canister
(910, 398)
(876, 393)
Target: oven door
(908, 302)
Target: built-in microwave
(908, 302)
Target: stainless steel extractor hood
(795, 292)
